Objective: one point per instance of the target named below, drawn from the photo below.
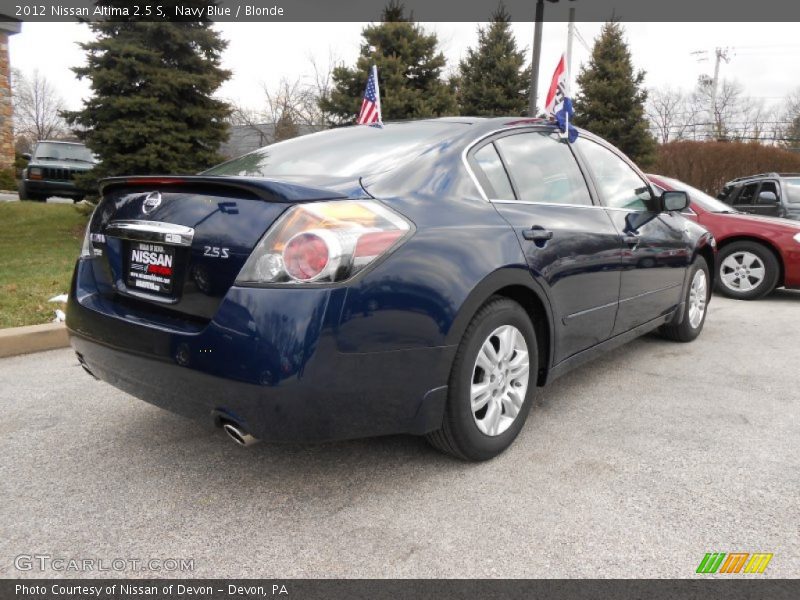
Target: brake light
(324, 242)
(306, 256)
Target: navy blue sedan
(421, 278)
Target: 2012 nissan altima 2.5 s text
(421, 278)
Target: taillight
(324, 242)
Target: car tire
(696, 297)
(498, 352)
(747, 271)
(22, 190)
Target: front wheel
(696, 304)
(491, 383)
(747, 271)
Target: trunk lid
(173, 246)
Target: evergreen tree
(493, 79)
(409, 72)
(611, 99)
(151, 109)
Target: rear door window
(490, 165)
(543, 169)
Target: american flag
(370, 113)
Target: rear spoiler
(269, 190)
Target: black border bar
(701, 588)
(707, 11)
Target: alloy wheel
(742, 271)
(499, 380)
(698, 298)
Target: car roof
(758, 176)
(60, 142)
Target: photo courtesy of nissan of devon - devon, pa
(423, 278)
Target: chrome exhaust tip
(239, 436)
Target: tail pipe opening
(238, 435)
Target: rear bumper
(269, 360)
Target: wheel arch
(515, 284)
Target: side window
(620, 186)
(768, 186)
(747, 195)
(543, 169)
(489, 162)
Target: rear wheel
(491, 383)
(747, 271)
(696, 301)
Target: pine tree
(151, 109)
(409, 72)
(611, 99)
(493, 79)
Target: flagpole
(567, 87)
(377, 93)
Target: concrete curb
(33, 338)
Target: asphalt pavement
(635, 465)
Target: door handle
(537, 234)
(631, 240)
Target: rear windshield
(793, 190)
(67, 152)
(345, 152)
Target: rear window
(793, 190)
(345, 152)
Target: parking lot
(635, 465)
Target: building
(7, 29)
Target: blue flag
(564, 119)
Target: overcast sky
(764, 57)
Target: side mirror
(26, 155)
(673, 201)
(767, 197)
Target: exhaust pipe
(239, 436)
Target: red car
(756, 254)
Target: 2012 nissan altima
(422, 278)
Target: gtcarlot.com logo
(734, 562)
(46, 562)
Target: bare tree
(666, 109)
(37, 107)
(790, 126)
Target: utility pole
(722, 54)
(537, 52)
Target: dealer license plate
(151, 268)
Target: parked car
(420, 278)
(756, 254)
(766, 194)
(52, 168)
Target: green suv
(52, 168)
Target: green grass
(39, 244)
